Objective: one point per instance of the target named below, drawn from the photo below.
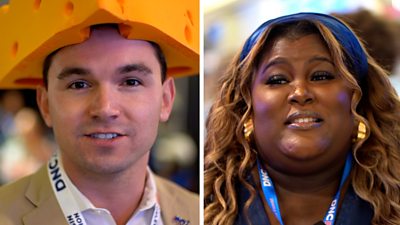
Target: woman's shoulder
(253, 212)
(354, 210)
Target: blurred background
(26, 143)
(227, 24)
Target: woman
(305, 130)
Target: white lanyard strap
(63, 194)
(156, 215)
(66, 200)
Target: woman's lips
(304, 120)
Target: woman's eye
(276, 80)
(78, 85)
(322, 75)
(132, 82)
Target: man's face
(104, 102)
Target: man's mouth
(104, 136)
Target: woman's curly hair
(230, 158)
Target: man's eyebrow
(68, 71)
(134, 67)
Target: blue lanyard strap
(272, 200)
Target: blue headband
(356, 56)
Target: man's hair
(157, 50)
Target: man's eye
(322, 75)
(132, 82)
(277, 79)
(78, 85)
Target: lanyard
(67, 202)
(272, 200)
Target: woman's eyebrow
(320, 58)
(273, 62)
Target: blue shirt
(353, 210)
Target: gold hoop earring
(361, 131)
(248, 129)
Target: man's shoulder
(9, 193)
(13, 202)
(31, 200)
(22, 195)
(165, 186)
(178, 205)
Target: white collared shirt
(99, 216)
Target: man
(104, 99)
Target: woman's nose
(301, 94)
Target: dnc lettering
(56, 175)
(331, 212)
(265, 179)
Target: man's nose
(104, 105)
(301, 93)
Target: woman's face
(302, 107)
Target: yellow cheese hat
(32, 29)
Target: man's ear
(43, 104)
(168, 97)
